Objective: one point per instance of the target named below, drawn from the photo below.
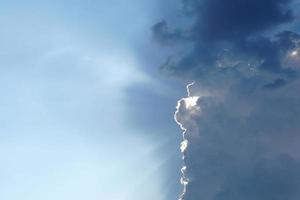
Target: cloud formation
(243, 141)
(245, 145)
(236, 37)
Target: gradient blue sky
(81, 98)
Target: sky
(85, 111)
(138, 99)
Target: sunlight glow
(191, 101)
(193, 109)
(294, 53)
(184, 145)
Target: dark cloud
(243, 141)
(237, 19)
(230, 36)
(268, 179)
(243, 145)
(276, 84)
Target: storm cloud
(243, 141)
(233, 36)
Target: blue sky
(81, 100)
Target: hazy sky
(84, 110)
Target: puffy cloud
(242, 140)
